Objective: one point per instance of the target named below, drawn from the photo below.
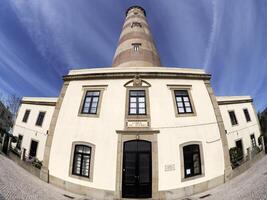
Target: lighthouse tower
(136, 46)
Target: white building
(32, 125)
(136, 129)
(240, 121)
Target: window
(19, 142)
(137, 102)
(81, 160)
(253, 140)
(26, 116)
(136, 46)
(183, 102)
(40, 119)
(192, 160)
(233, 118)
(90, 103)
(246, 113)
(136, 24)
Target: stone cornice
(127, 75)
(39, 103)
(226, 102)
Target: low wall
(27, 166)
(246, 165)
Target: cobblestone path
(18, 184)
(251, 185)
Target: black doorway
(239, 147)
(137, 169)
(5, 143)
(33, 150)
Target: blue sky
(41, 40)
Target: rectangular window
(246, 113)
(81, 160)
(90, 103)
(40, 119)
(136, 46)
(26, 116)
(19, 142)
(136, 24)
(233, 118)
(183, 102)
(253, 140)
(137, 102)
(192, 160)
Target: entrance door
(5, 143)
(137, 171)
(239, 146)
(33, 149)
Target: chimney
(136, 47)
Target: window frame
(253, 146)
(247, 117)
(137, 102)
(136, 24)
(38, 118)
(91, 165)
(147, 105)
(27, 117)
(188, 88)
(202, 164)
(136, 46)
(88, 88)
(229, 111)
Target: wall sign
(170, 167)
(137, 124)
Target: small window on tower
(136, 46)
(136, 24)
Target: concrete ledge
(194, 189)
(245, 166)
(27, 166)
(82, 190)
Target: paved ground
(18, 184)
(251, 185)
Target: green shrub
(236, 155)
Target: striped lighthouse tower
(136, 47)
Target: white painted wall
(102, 132)
(244, 129)
(29, 130)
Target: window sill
(235, 125)
(88, 115)
(88, 179)
(185, 115)
(192, 178)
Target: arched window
(81, 160)
(192, 160)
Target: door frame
(150, 136)
(137, 153)
(36, 148)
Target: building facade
(241, 122)
(32, 125)
(136, 129)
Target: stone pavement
(251, 185)
(18, 184)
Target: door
(33, 149)
(239, 146)
(137, 169)
(5, 143)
